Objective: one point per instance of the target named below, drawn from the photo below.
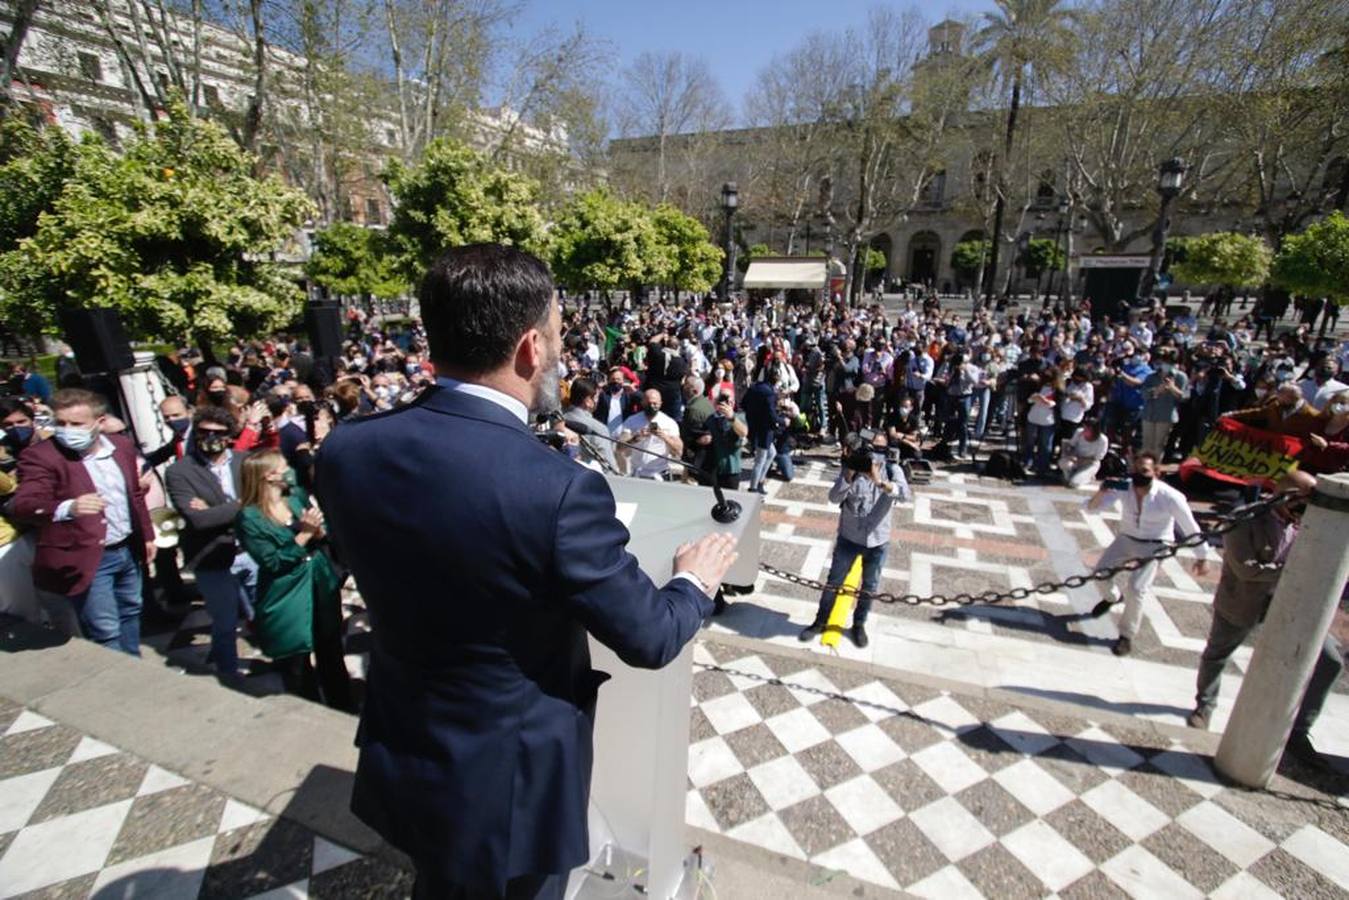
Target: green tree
(875, 261)
(695, 262)
(1042, 255)
(600, 241)
(970, 257)
(176, 235)
(34, 167)
(1315, 262)
(1015, 39)
(455, 196)
(1225, 258)
(355, 262)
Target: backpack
(1003, 464)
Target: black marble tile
(828, 764)
(93, 782)
(755, 745)
(905, 851)
(257, 858)
(366, 878)
(816, 825)
(994, 807)
(166, 819)
(1088, 831)
(733, 801)
(997, 873)
(36, 750)
(73, 889)
(908, 785)
(1196, 861)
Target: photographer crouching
(868, 485)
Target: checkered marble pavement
(80, 818)
(944, 794)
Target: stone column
(1290, 639)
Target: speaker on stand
(102, 351)
(323, 321)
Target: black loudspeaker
(323, 320)
(98, 340)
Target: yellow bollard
(843, 603)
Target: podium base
(619, 873)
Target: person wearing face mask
(1329, 445)
(1321, 384)
(1254, 553)
(1152, 513)
(204, 486)
(82, 492)
(1164, 390)
(650, 430)
(475, 737)
(17, 596)
(1287, 414)
(618, 401)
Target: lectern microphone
(725, 511)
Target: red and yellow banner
(1239, 453)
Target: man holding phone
(653, 431)
(1151, 513)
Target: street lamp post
(1169, 177)
(1063, 225)
(730, 199)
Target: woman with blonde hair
(298, 607)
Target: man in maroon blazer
(82, 492)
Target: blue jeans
(959, 406)
(845, 553)
(785, 465)
(985, 396)
(763, 459)
(224, 594)
(1042, 444)
(109, 609)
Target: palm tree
(1018, 36)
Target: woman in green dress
(298, 609)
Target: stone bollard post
(1304, 604)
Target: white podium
(642, 719)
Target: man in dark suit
(761, 414)
(484, 558)
(82, 492)
(204, 487)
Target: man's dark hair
(1147, 454)
(477, 301)
(10, 405)
(214, 415)
(582, 389)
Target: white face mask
(75, 438)
(1339, 409)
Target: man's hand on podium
(707, 559)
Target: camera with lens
(860, 455)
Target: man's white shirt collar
(505, 401)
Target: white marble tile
(297, 891)
(21, 795)
(89, 748)
(1103, 750)
(947, 883)
(1124, 809)
(858, 860)
(62, 848)
(947, 765)
(952, 828)
(1035, 788)
(870, 747)
(768, 832)
(1225, 833)
(879, 694)
(172, 874)
(1245, 886)
(751, 665)
(863, 804)
(710, 761)
(1048, 854)
(697, 814)
(1023, 733)
(1322, 852)
(730, 713)
(1143, 875)
(811, 678)
(237, 815)
(1192, 770)
(328, 855)
(28, 721)
(797, 730)
(947, 715)
(783, 782)
(157, 779)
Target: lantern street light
(730, 200)
(1169, 177)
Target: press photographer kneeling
(869, 483)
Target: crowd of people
(724, 393)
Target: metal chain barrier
(1225, 524)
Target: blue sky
(737, 37)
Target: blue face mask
(180, 426)
(19, 435)
(77, 439)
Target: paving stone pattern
(80, 818)
(949, 795)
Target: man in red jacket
(82, 492)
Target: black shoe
(1199, 718)
(859, 636)
(809, 633)
(1101, 608)
(1123, 647)
(718, 604)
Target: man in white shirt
(1081, 456)
(1151, 513)
(654, 432)
(1320, 384)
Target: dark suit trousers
(431, 886)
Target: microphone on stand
(725, 511)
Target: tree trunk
(1000, 207)
(253, 117)
(9, 51)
